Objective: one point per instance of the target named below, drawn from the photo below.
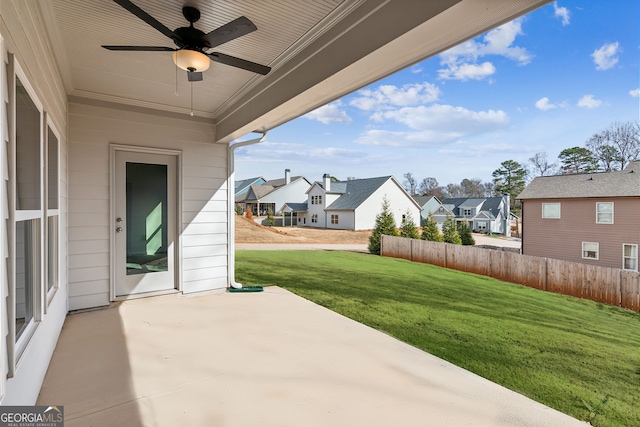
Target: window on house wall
(334, 219)
(28, 212)
(482, 225)
(53, 213)
(604, 213)
(551, 210)
(590, 250)
(440, 210)
(314, 218)
(466, 212)
(630, 257)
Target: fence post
(619, 289)
(546, 274)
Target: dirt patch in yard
(250, 232)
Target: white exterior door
(144, 223)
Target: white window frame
(625, 257)
(314, 218)
(598, 213)
(482, 225)
(597, 251)
(49, 213)
(467, 211)
(334, 218)
(547, 215)
(17, 347)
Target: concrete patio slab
(262, 359)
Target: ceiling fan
(191, 54)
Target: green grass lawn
(577, 356)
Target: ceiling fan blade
(194, 76)
(232, 30)
(127, 4)
(239, 63)
(141, 48)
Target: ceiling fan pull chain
(191, 114)
(176, 79)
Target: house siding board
(22, 36)
(399, 201)
(93, 129)
(562, 238)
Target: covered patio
(267, 359)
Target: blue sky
(542, 83)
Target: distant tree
(577, 160)
(238, 210)
(430, 187)
(385, 225)
(270, 219)
(334, 179)
(540, 166)
(472, 187)
(453, 191)
(489, 189)
(465, 234)
(615, 146)
(509, 179)
(410, 184)
(450, 231)
(430, 230)
(408, 227)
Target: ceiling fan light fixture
(191, 60)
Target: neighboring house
(354, 205)
(428, 204)
(273, 194)
(117, 172)
(242, 189)
(590, 218)
(483, 215)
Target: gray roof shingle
(625, 183)
(355, 192)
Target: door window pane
(146, 221)
(27, 272)
(28, 124)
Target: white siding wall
(204, 196)
(295, 192)
(23, 37)
(316, 209)
(346, 220)
(399, 201)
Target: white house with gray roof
(273, 194)
(354, 204)
(482, 214)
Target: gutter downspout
(231, 233)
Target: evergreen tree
(450, 231)
(465, 234)
(385, 224)
(408, 227)
(430, 230)
(270, 219)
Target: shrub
(249, 214)
(430, 230)
(270, 220)
(450, 231)
(408, 228)
(385, 225)
(465, 234)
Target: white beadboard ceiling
(319, 50)
(149, 78)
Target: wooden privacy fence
(608, 285)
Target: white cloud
(467, 71)
(436, 124)
(635, 92)
(460, 61)
(605, 57)
(544, 104)
(562, 13)
(588, 101)
(389, 96)
(330, 113)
